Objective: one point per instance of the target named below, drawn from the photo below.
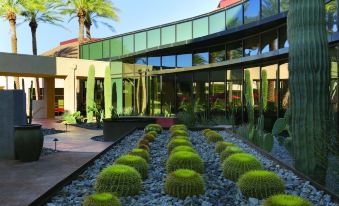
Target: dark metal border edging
(42, 200)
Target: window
(183, 88)
(234, 16)
(184, 31)
(270, 93)
(269, 41)
(217, 95)
(95, 50)
(155, 62)
(234, 50)
(168, 94)
(116, 46)
(251, 46)
(128, 44)
(284, 4)
(331, 16)
(153, 38)
(184, 60)
(200, 58)
(168, 35)
(251, 11)
(85, 52)
(234, 86)
(269, 8)
(140, 41)
(284, 90)
(141, 60)
(255, 83)
(155, 95)
(217, 22)
(105, 49)
(283, 42)
(217, 54)
(168, 62)
(201, 89)
(200, 27)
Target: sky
(134, 15)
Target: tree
(309, 67)
(34, 13)
(9, 9)
(103, 9)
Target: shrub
(182, 183)
(155, 134)
(143, 146)
(153, 127)
(286, 200)
(178, 127)
(181, 137)
(229, 151)
(101, 199)
(205, 131)
(141, 153)
(178, 142)
(149, 137)
(185, 160)
(136, 162)
(221, 146)
(121, 179)
(238, 164)
(213, 136)
(260, 184)
(183, 148)
(179, 132)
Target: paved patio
(22, 183)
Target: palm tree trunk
(88, 25)
(12, 22)
(81, 15)
(33, 25)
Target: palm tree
(9, 9)
(33, 13)
(103, 9)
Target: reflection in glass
(140, 41)
(251, 11)
(234, 16)
(269, 8)
(200, 91)
(217, 54)
(284, 4)
(128, 93)
(283, 41)
(200, 58)
(141, 89)
(200, 27)
(184, 88)
(331, 16)
(269, 95)
(168, 35)
(334, 80)
(141, 60)
(284, 91)
(168, 95)
(234, 50)
(217, 22)
(184, 31)
(128, 44)
(217, 95)
(153, 38)
(251, 46)
(234, 92)
(168, 62)
(155, 95)
(155, 62)
(269, 41)
(255, 79)
(184, 60)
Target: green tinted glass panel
(116, 47)
(217, 22)
(168, 35)
(269, 8)
(184, 31)
(105, 45)
(234, 16)
(153, 38)
(128, 44)
(140, 41)
(200, 27)
(85, 53)
(95, 50)
(284, 5)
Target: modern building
(202, 60)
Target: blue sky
(134, 15)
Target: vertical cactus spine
(309, 84)
(108, 92)
(249, 97)
(90, 92)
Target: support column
(49, 95)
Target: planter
(28, 142)
(116, 128)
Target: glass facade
(234, 16)
(269, 8)
(251, 11)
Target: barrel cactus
(144, 142)
(185, 160)
(136, 162)
(182, 183)
(179, 132)
(238, 164)
(178, 142)
(121, 179)
(153, 127)
(286, 200)
(213, 137)
(260, 184)
(155, 134)
(101, 199)
(178, 127)
(183, 148)
(181, 137)
(143, 146)
(149, 137)
(229, 151)
(221, 146)
(141, 153)
(205, 131)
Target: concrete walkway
(22, 183)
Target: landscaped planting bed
(216, 189)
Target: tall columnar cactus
(309, 84)
(90, 92)
(249, 97)
(108, 92)
(264, 90)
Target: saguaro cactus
(108, 92)
(90, 92)
(249, 97)
(309, 83)
(264, 89)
